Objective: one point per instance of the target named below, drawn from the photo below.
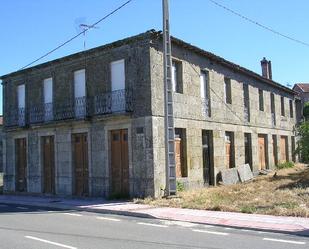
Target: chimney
(266, 69)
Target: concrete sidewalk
(293, 225)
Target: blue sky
(29, 28)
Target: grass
(285, 165)
(284, 193)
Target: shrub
(303, 145)
(285, 165)
(180, 186)
(306, 111)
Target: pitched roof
(158, 34)
(303, 86)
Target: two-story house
(92, 123)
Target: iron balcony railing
(80, 108)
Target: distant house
(303, 92)
(92, 123)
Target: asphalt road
(23, 227)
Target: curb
(60, 206)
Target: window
(181, 152)
(21, 103)
(177, 83)
(261, 100)
(204, 81)
(282, 107)
(79, 84)
(80, 93)
(21, 96)
(48, 90)
(291, 109)
(227, 90)
(273, 109)
(48, 98)
(118, 75)
(118, 86)
(229, 150)
(246, 102)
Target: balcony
(119, 101)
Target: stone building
(303, 92)
(92, 123)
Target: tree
(303, 145)
(306, 111)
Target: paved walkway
(250, 221)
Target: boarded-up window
(48, 90)
(79, 84)
(181, 152)
(21, 96)
(291, 109)
(177, 81)
(261, 100)
(118, 75)
(227, 90)
(282, 107)
(48, 99)
(246, 102)
(204, 82)
(80, 93)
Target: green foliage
(303, 145)
(248, 209)
(306, 111)
(285, 165)
(180, 186)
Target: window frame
(177, 78)
(228, 90)
(261, 100)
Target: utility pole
(170, 187)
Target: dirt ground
(286, 194)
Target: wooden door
(293, 149)
(21, 164)
(283, 149)
(48, 164)
(80, 162)
(228, 150)
(262, 152)
(178, 157)
(119, 163)
(275, 155)
(207, 157)
(248, 149)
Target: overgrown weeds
(286, 193)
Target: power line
(259, 24)
(81, 33)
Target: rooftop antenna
(85, 27)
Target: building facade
(92, 123)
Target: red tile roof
(303, 86)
